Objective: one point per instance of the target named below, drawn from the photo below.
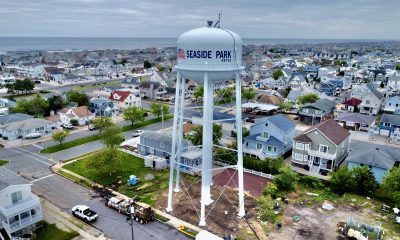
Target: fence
(257, 173)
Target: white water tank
(209, 49)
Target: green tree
(59, 136)
(365, 180)
(197, 137)
(226, 95)
(28, 85)
(248, 94)
(198, 92)
(271, 190)
(286, 179)
(147, 64)
(39, 106)
(80, 98)
(277, 74)
(102, 123)
(134, 114)
(391, 185)
(398, 67)
(265, 209)
(106, 163)
(285, 106)
(111, 136)
(308, 98)
(56, 103)
(159, 109)
(342, 181)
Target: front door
(316, 161)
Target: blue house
(378, 158)
(103, 107)
(390, 126)
(328, 88)
(269, 137)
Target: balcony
(258, 152)
(321, 154)
(22, 223)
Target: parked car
(37, 82)
(137, 133)
(33, 135)
(84, 213)
(92, 128)
(67, 126)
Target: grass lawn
(146, 191)
(50, 232)
(95, 137)
(3, 162)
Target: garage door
(384, 132)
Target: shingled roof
(352, 102)
(332, 130)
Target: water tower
(206, 55)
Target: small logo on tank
(181, 53)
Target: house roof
(147, 84)
(377, 94)
(225, 117)
(54, 70)
(159, 137)
(27, 124)
(322, 104)
(352, 102)
(356, 118)
(302, 138)
(270, 141)
(14, 117)
(371, 154)
(390, 118)
(8, 178)
(274, 100)
(279, 121)
(332, 130)
(120, 96)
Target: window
(274, 149)
(265, 134)
(298, 156)
(305, 158)
(259, 146)
(323, 148)
(16, 196)
(300, 146)
(306, 146)
(367, 102)
(386, 124)
(269, 148)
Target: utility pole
(131, 222)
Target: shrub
(342, 181)
(74, 122)
(265, 209)
(311, 182)
(286, 179)
(271, 190)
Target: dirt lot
(222, 216)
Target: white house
(7, 79)
(25, 127)
(394, 83)
(158, 77)
(125, 99)
(82, 114)
(371, 99)
(20, 210)
(393, 104)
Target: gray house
(152, 90)
(156, 149)
(13, 117)
(321, 148)
(23, 128)
(269, 137)
(314, 113)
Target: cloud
(356, 19)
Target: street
(65, 194)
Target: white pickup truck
(84, 213)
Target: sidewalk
(66, 222)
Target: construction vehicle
(131, 208)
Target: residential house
(159, 77)
(269, 137)
(380, 159)
(310, 71)
(328, 88)
(390, 126)
(152, 90)
(81, 114)
(6, 79)
(394, 83)
(20, 210)
(103, 107)
(5, 105)
(125, 99)
(14, 117)
(392, 105)
(351, 105)
(130, 82)
(227, 121)
(321, 148)
(355, 121)
(156, 150)
(314, 113)
(371, 99)
(23, 128)
(54, 74)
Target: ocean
(80, 43)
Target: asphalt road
(65, 194)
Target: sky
(301, 19)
